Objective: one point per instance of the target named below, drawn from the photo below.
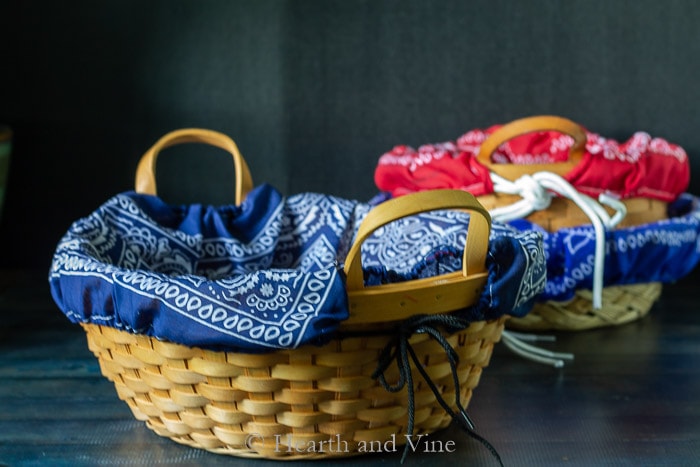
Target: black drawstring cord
(399, 349)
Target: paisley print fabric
(263, 275)
(662, 251)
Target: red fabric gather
(642, 166)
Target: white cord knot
(533, 192)
(536, 194)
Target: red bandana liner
(643, 166)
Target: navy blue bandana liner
(662, 251)
(263, 275)
(515, 266)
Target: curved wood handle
(530, 125)
(145, 172)
(439, 294)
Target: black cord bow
(399, 349)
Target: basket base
(621, 304)
(288, 404)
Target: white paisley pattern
(264, 275)
(662, 251)
(402, 245)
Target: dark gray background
(313, 92)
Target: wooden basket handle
(530, 125)
(145, 172)
(433, 295)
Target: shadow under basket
(277, 405)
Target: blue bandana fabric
(263, 275)
(432, 244)
(662, 251)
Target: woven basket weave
(622, 303)
(289, 404)
(254, 405)
(563, 213)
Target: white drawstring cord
(617, 205)
(536, 195)
(515, 341)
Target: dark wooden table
(631, 397)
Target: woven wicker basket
(314, 401)
(276, 405)
(622, 303)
